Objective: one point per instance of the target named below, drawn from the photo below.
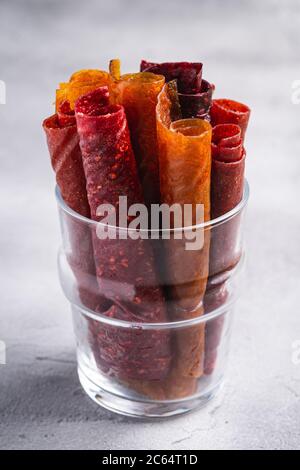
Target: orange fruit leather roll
(80, 83)
(184, 149)
(138, 93)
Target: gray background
(251, 52)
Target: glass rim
(208, 224)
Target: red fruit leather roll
(227, 184)
(124, 267)
(194, 93)
(65, 153)
(224, 111)
(66, 160)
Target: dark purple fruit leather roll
(194, 93)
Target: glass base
(143, 408)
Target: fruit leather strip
(214, 298)
(110, 170)
(138, 94)
(125, 268)
(63, 144)
(130, 354)
(173, 387)
(188, 74)
(80, 83)
(194, 93)
(227, 183)
(115, 69)
(185, 163)
(226, 147)
(198, 104)
(224, 111)
(65, 153)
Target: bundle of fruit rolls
(194, 93)
(155, 136)
(124, 267)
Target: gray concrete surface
(251, 52)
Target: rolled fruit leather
(224, 111)
(125, 267)
(195, 94)
(138, 93)
(67, 163)
(80, 83)
(185, 165)
(227, 185)
(66, 160)
(174, 386)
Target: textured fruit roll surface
(187, 74)
(227, 185)
(224, 111)
(140, 358)
(214, 298)
(80, 83)
(66, 160)
(194, 94)
(185, 165)
(125, 267)
(198, 105)
(138, 93)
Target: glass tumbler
(152, 310)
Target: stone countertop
(251, 52)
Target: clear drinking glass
(152, 319)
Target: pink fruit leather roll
(227, 185)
